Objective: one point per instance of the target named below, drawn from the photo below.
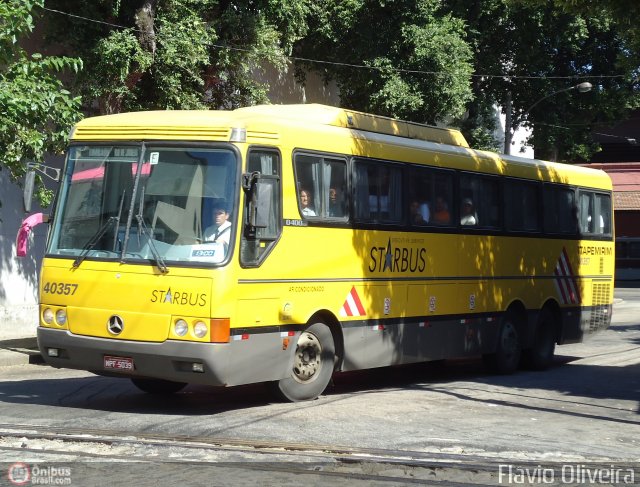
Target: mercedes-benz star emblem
(115, 325)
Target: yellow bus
(282, 244)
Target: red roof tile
(626, 200)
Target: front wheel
(157, 386)
(507, 355)
(312, 365)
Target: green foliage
(400, 41)
(540, 49)
(178, 54)
(36, 111)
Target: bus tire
(540, 355)
(157, 386)
(506, 358)
(313, 365)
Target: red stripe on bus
(356, 300)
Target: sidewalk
(19, 350)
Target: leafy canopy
(533, 49)
(177, 54)
(398, 42)
(36, 112)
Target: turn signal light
(220, 330)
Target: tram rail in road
(89, 454)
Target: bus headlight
(200, 329)
(47, 316)
(180, 327)
(61, 317)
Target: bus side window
(419, 187)
(560, 211)
(521, 205)
(585, 212)
(442, 197)
(603, 214)
(321, 186)
(378, 192)
(484, 194)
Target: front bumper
(259, 359)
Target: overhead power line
(352, 65)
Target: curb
(19, 351)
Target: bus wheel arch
(506, 356)
(329, 319)
(547, 333)
(313, 362)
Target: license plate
(118, 363)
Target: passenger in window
(419, 213)
(336, 205)
(441, 215)
(221, 230)
(468, 213)
(305, 201)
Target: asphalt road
(450, 423)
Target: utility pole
(509, 127)
(508, 135)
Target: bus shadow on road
(108, 394)
(570, 380)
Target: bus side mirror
(27, 195)
(30, 178)
(264, 195)
(259, 192)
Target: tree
(176, 54)
(528, 50)
(36, 111)
(417, 61)
(623, 13)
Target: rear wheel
(540, 355)
(157, 386)
(312, 365)
(507, 355)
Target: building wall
(19, 276)
(627, 223)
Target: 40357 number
(60, 288)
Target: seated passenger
(418, 213)
(336, 205)
(305, 200)
(441, 215)
(467, 213)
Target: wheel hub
(307, 359)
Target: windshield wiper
(142, 227)
(91, 243)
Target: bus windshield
(136, 202)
